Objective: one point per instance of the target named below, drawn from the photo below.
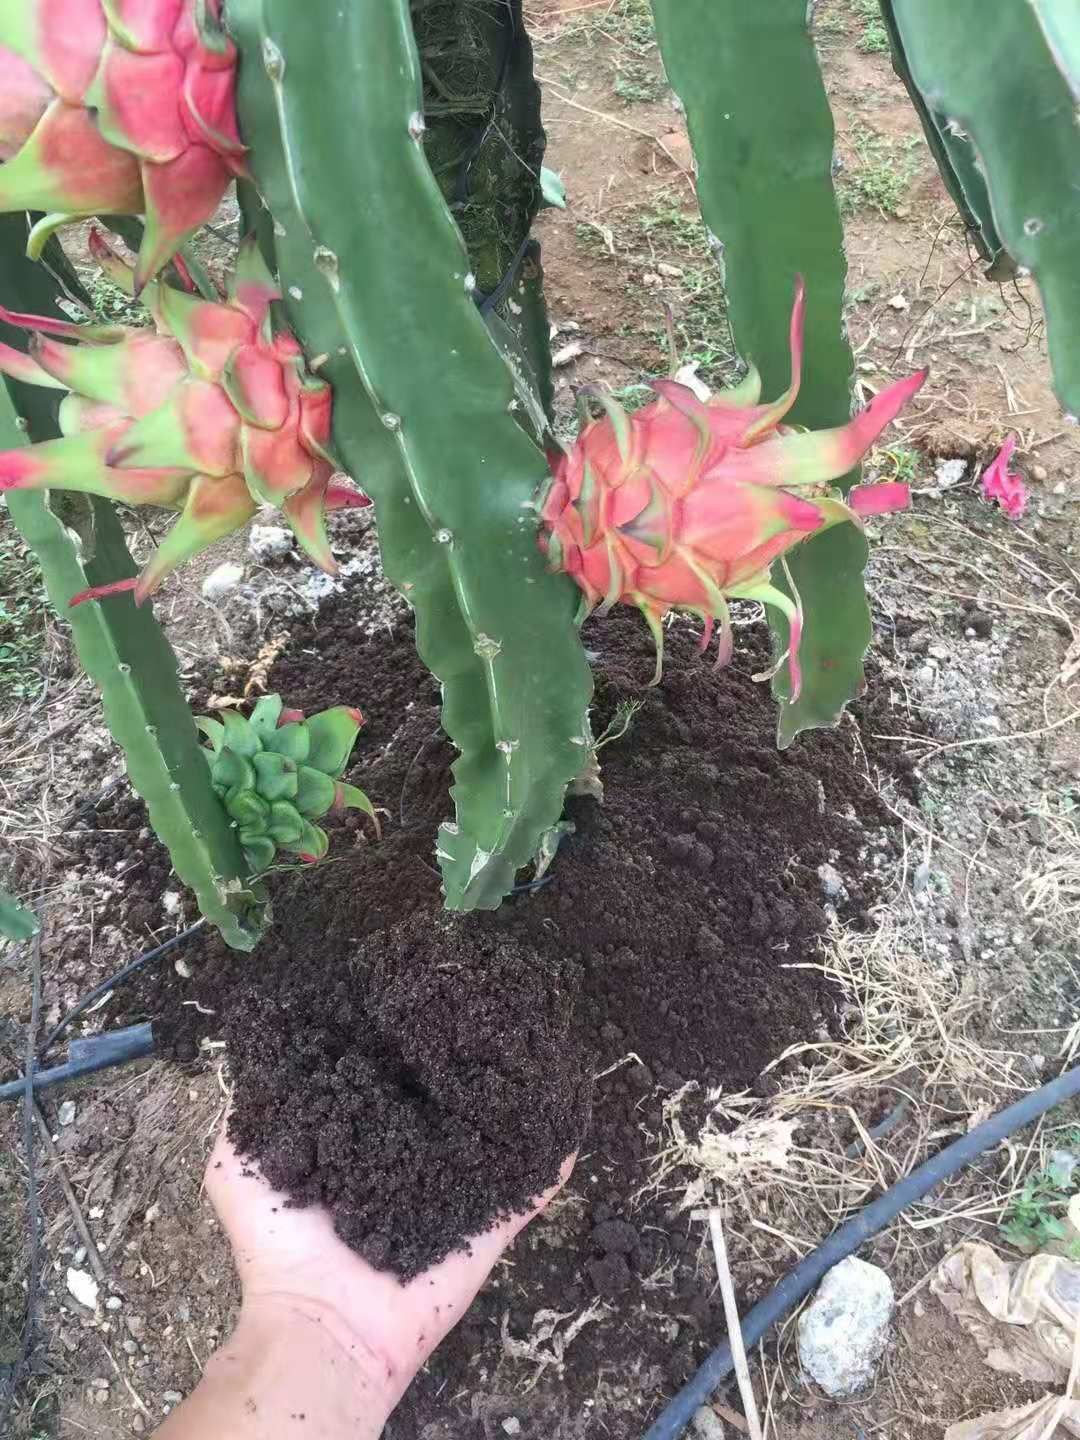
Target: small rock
(1059, 488)
(844, 1331)
(222, 581)
(138, 1425)
(948, 473)
(512, 1425)
(926, 674)
(83, 1287)
(567, 354)
(171, 1397)
(706, 1424)
(129, 1347)
(114, 1302)
(269, 542)
(898, 302)
(152, 1213)
(66, 1112)
(170, 902)
(832, 883)
(136, 1324)
(938, 652)
(1039, 472)
(183, 969)
(673, 272)
(650, 280)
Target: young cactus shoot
(210, 413)
(688, 504)
(277, 773)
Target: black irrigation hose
(113, 980)
(86, 1056)
(673, 1420)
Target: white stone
(512, 1425)
(706, 1424)
(83, 1287)
(898, 302)
(832, 882)
(66, 1112)
(948, 473)
(269, 542)
(114, 1302)
(844, 1330)
(222, 581)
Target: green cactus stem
(956, 161)
(123, 649)
(763, 138)
(1012, 86)
(16, 922)
(386, 275)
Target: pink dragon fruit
(688, 504)
(120, 107)
(210, 413)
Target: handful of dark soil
(349, 1083)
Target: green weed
(874, 38)
(629, 22)
(636, 84)
(881, 177)
(23, 608)
(902, 463)
(112, 305)
(1035, 1217)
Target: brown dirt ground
(980, 817)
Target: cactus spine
(125, 652)
(763, 136)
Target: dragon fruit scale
(688, 504)
(210, 413)
(118, 107)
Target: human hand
(350, 1337)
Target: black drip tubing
(677, 1415)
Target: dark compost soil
(420, 1072)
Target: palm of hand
(292, 1260)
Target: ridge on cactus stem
(120, 107)
(688, 504)
(276, 773)
(210, 413)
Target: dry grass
(851, 1115)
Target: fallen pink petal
(1004, 485)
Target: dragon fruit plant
(277, 773)
(439, 384)
(118, 107)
